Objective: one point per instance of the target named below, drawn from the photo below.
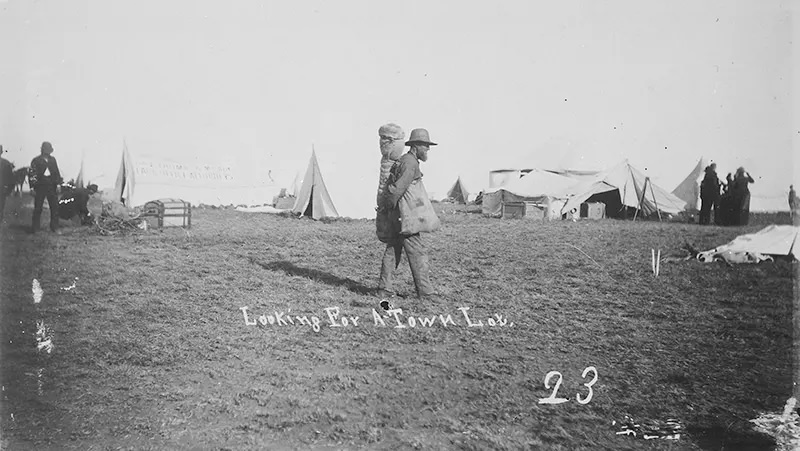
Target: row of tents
(142, 178)
(561, 191)
(620, 188)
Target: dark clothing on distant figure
(405, 171)
(44, 177)
(75, 202)
(709, 197)
(7, 183)
(741, 198)
(45, 191)
(44, 170)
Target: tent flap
(773, 239)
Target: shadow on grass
(24, 228)
(316, 275)
(719, 438)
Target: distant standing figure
(792, 198)
(7, 183)
(44, 178)
(728, 182)
(709, 195)
(741, 196)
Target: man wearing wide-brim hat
(404, 172)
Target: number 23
(552, 399)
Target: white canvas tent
(297, 184)
(536, 186)
(771, 240)
(313, 199)
(582, 175)
(501, 177)
(142, 178)
(689, 189)
(763, 198)
(635, 191)
(458, 192)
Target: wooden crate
(285, 203)
(526, 210)
(593, 210)
(168, 213)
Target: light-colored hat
(420, 136)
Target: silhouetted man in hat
(7, 182)
(405, 171)
(709, 195)
(44, 177)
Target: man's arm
(8, 177)
(396, 189)
(33, 174)
(56, 172)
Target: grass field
(151, 350)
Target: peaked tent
(142, 178)
(771, 240)
(635, 191)
(79, 179)
(123, 188)
(313, 199)
(536, 186)
(689, 189)
(297, 184)
(458, 192)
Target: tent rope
(584, 253)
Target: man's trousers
(417, 259)
(45, 191)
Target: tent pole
(654, 200)
(641, 198)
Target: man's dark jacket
(38, 167)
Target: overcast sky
(498, 84)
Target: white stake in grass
(37, 292)
(658, 262)
(653, 261)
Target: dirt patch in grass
(151, 349)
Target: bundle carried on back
(392, 146)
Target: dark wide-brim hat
(420, 136)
